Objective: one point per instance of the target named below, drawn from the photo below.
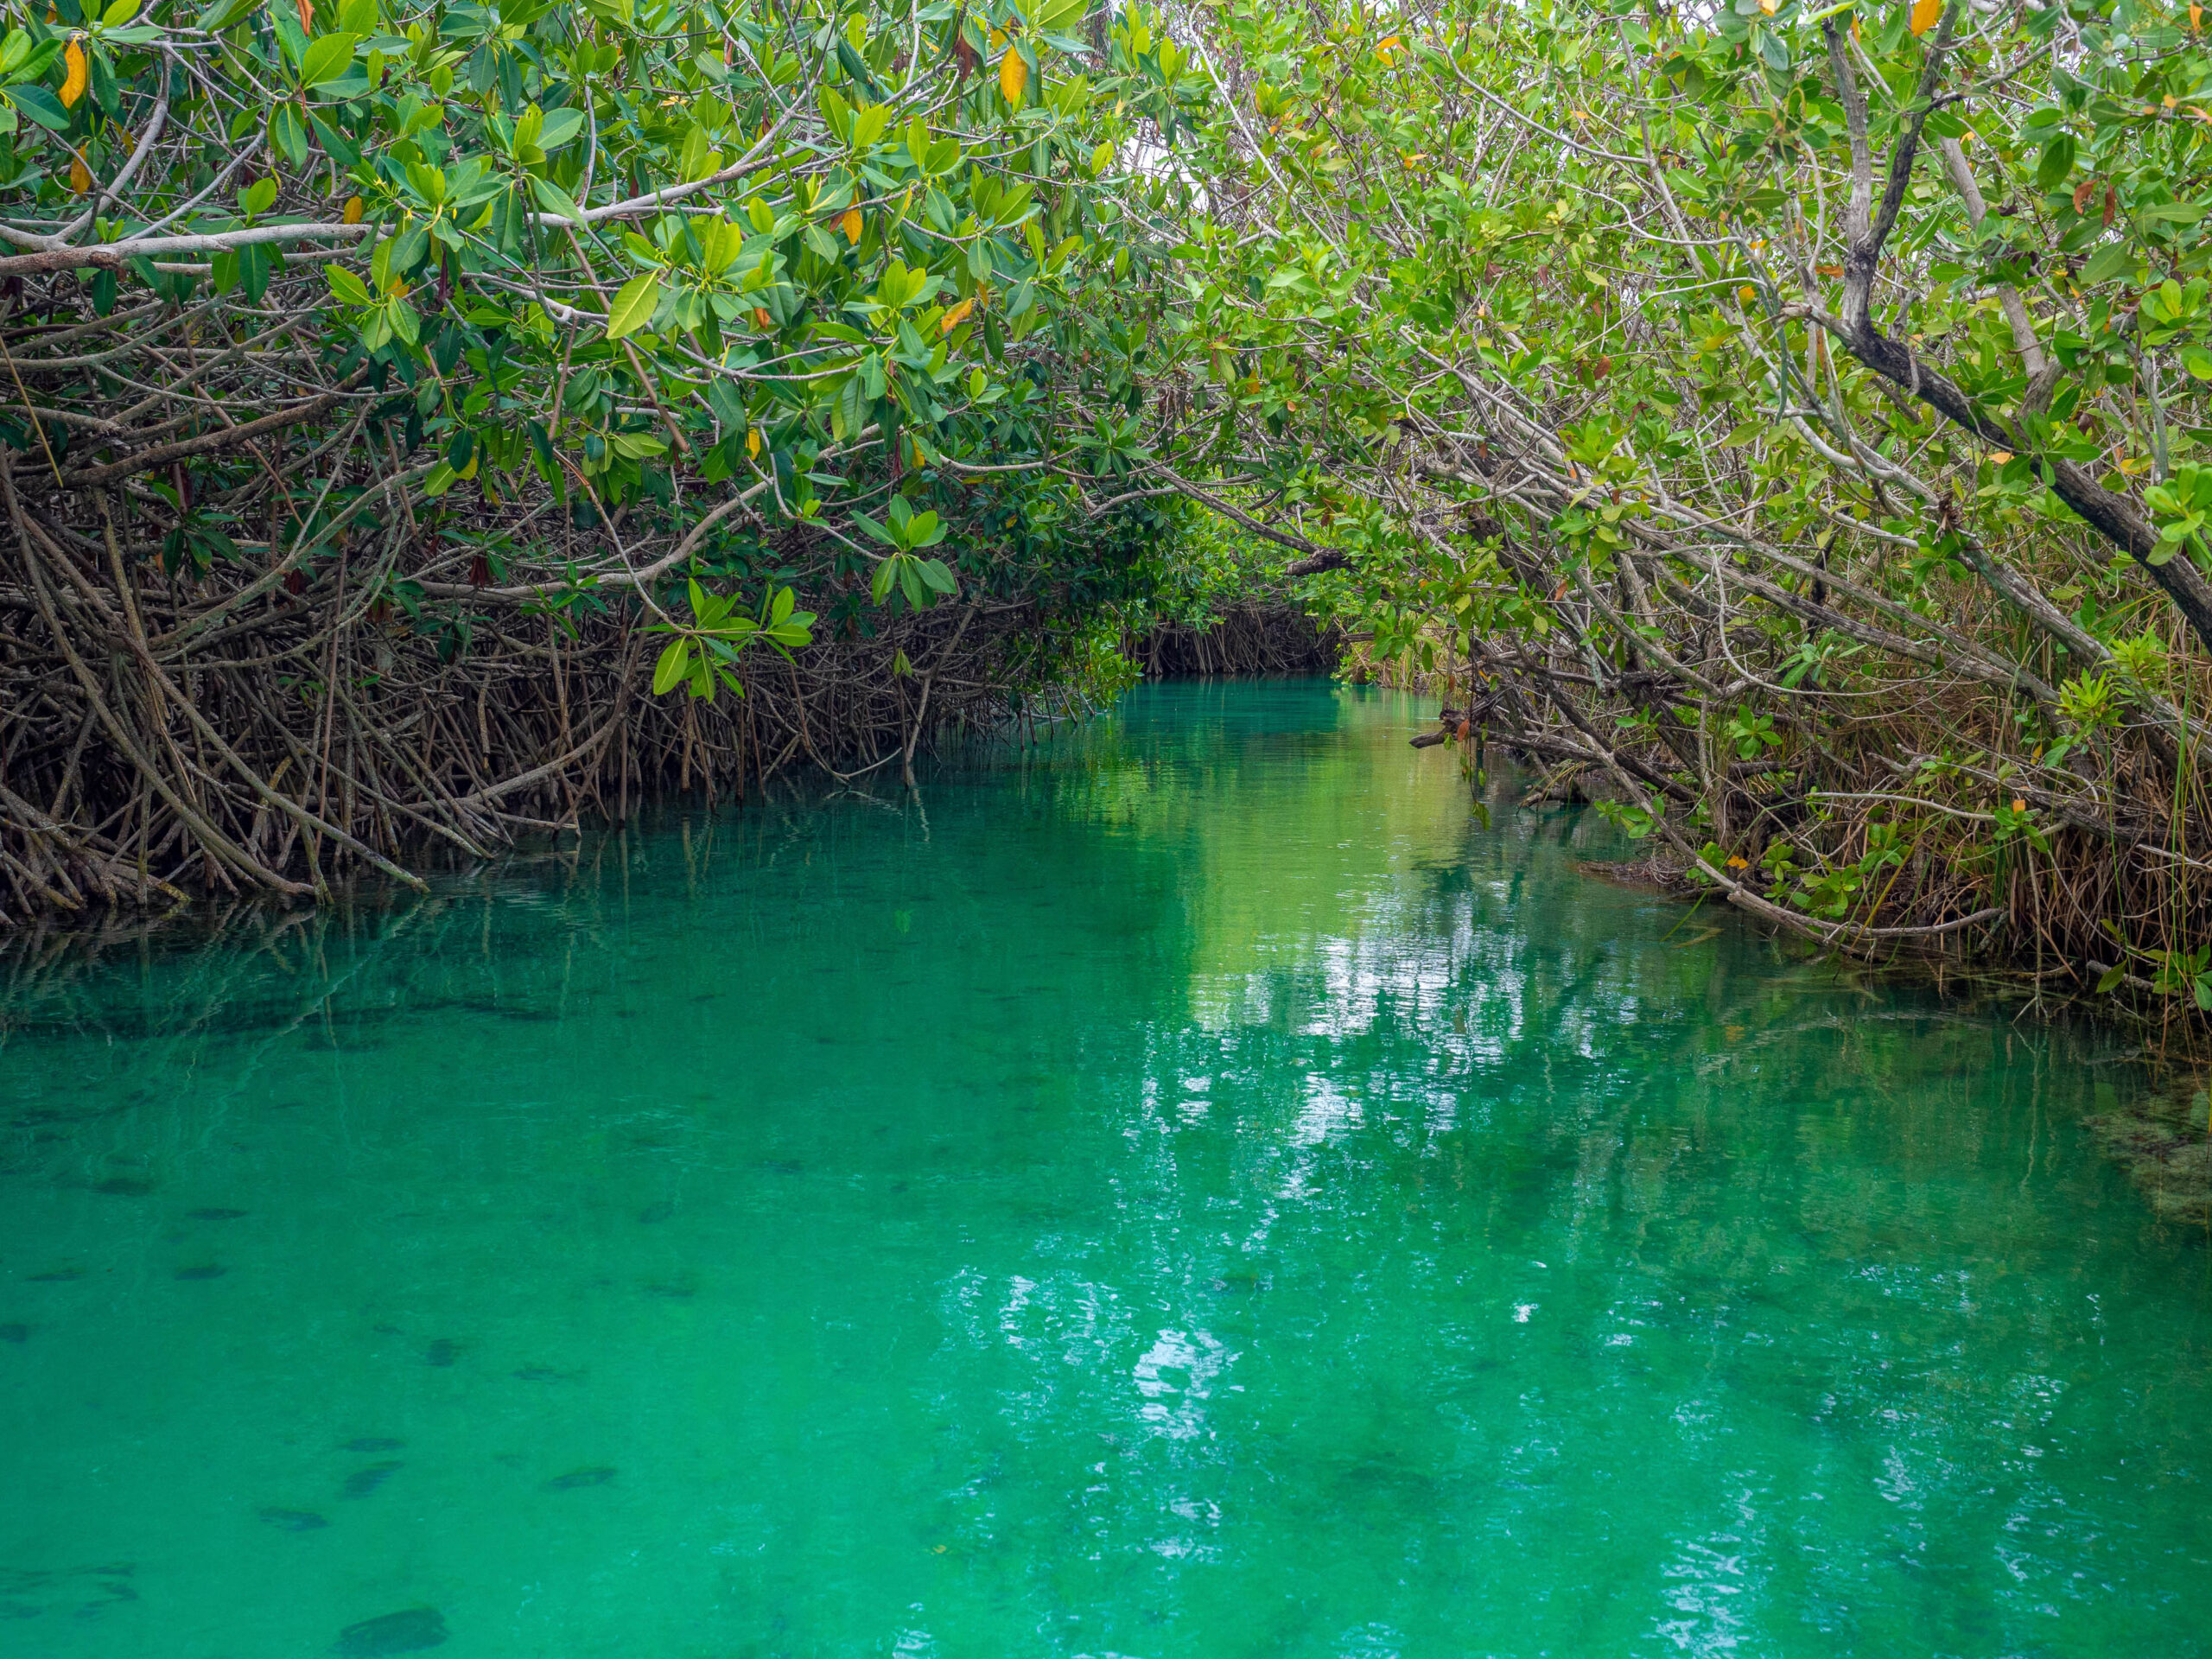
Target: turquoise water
(1186, 1190)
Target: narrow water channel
(1184, 1191)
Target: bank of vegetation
(1782, 423)
(431, 423)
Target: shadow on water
(1176, 1188)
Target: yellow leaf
(1387, 45)
(2197, 20)
(1739, 862)
(1013, 77)
(2000, 456)
(753, 441)
(1747, 293)
(998, 39)
(1924, 14)
(958, 314)
(1769, 6)
(852, 224)
(79, 75)
(352, 213)
(2170, 100)
(80, 180)
(2019, 805)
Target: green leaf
(42, 106)
(36, 60)
(561, 127)
(2057, 161)
(728, 405)
(868, 124)
(634, 306)
(553, 199)
(327, 59)
(669, 671)
(345, 287)
(2110, 261)
(700, 159)
(853, 64)
(338, 146)
(255, 261)
(289, 134)
(291, 38)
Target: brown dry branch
(333, 674)
(1247, 640)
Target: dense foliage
(1788, 419)
(383, 369)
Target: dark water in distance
(1184, 1191)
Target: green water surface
(1183, 1190)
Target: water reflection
(1181, 1191)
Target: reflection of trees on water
(1471, 1184)
(1221, 1143)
